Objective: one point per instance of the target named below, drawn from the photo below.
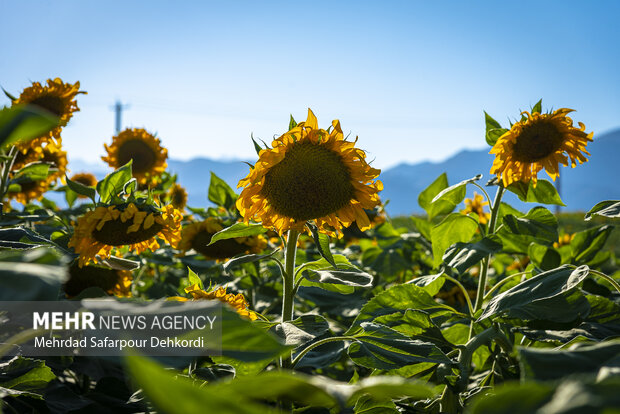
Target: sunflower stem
(288, 284)
(482, 281)
(7, 166)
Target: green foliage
(23, 123)
(238, 230)
(220, 193)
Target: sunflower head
(476, 205)
(112, 281)
(237, 302)
(197, 236)
(57, 97)
(136, 226)
(178, 196)
(310, 174)
(30, 191)
(149, 157)
(539, 141)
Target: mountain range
(581, 187)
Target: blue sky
(411, 79)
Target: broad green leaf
(400, 298)
(321, 241)
(25, 374)
(81, 189)
(32, 172)
(194, 279)
(30, 281)
(551, 364)
(493, 130)
(22, 123)
(301, 330)
(415, 324)
(452, 229)
(188, 397)
(432, 284)
(544, 257)
(513, 399)
(423, 226)
(539, 225)
(113, 183)
(220, 193)
(320, 273)
(426, 197)
(586, 244)
(462, 256)
(534, 294)
(455, 193)
(238, 230)
(543, 192)
(340, 277)
(608, 208)
(380, 347)
(248, 258)
(387, 387)
(119, 263)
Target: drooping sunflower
(86, 179)
(237, 301)
(149, 157)
(29, 191)
(476, 205)
(103, 229)
(57, 97)
(536, 142)
(310, 174)
(112, 281)
(178, 196)
(198, 235)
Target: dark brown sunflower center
(81, 278)
(114, 233)
(52, 103)
(88, 181)
(219, 250)
(537, 141)
(310, 182)
(178, 198)
(139, 151)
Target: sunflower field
(329, 305)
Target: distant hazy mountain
(582, 187)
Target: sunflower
(564, 240)
(101, 230)
(86, 179)
(238, 301)
(178, 196)
(29, 191)
(310, 174)
(476, 205)
(149, 157)
(197, 236)
(112, 281)
(539, 141)
(56, 97)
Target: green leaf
(387, 387)
(586, 244)
(539, 225)
(426, 196)
(220, 193)
(529, 299)
(25, 374)
(493, 130)
(292, 124)
(22, 123)
(341, 277)
(321, 273)
(188, 398)
(552, 364)
(544, 192)
(544, 257)
(301, 330)
(452, 229)
(455, 193)
(81, 189)
(462, 256)
(513, 399)
(113, 183)
(32, 172)
(238, 230)
(423, 226)
(248, 258)
(119, 263)
(30, 281)
(380, 347)
(415, 324)
(399, 299)
(321, 241)
(536, 109)
(608, 208)
(194, 279)
(431, 284)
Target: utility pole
(118, 110)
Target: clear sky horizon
(411, 79)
